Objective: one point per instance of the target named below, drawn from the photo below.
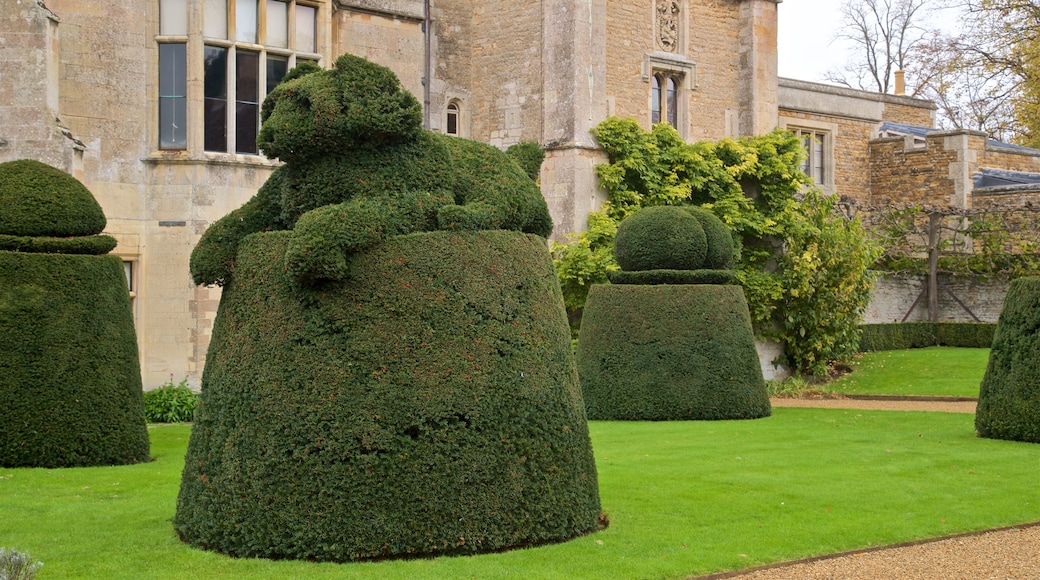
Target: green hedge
(903, 335)
(669, 352)
(1009, 397)
(672, 277)
(427, 406)
(70, 383)
(90, 245)
(40, 200)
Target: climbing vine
(803, 265)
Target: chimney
(900, 83)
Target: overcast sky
(807, 48)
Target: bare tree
(884, 32)
(968, 92)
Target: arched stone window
(452, 121)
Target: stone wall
(903, 174)
(895, 295)
(389, 33)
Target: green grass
(938, 371)
(684, 498)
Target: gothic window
(247, 47)
(665, 103)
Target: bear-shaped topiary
(390, 372)
(70, 381)
(360, 168)
(1009, 396)
(670, 339)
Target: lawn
(684, 499)
(937, 371)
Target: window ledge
(234, 159)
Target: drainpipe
(427, 76)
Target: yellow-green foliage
(1009, 397)
(809, 297)
(427, 406)
(669, 353)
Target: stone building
(153, 104)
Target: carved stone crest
(668, 24)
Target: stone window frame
(195, 43)
(461, 118)
(663, 66)
(829, 134)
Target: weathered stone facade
(80, 90)
(850, 119)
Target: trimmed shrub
(669, 352)
(359, 168)
(171, 403)
(903, 335)
(672, 277)
(427, 406)
(529, 155)
(719, 252)
(40, 200)
(70, 382)
(1009, 397)
(90, 245)
(660, 238)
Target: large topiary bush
(391, 374)
(427, 406)
(670, 339)
(70, 382)
(1009, 397)
(359, 168)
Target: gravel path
(998, 555)
(1012, 553)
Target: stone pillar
(574, 69)
(29, 55)
(758, 67)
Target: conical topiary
(70, 382)
(670, 339)
(427, 406)
(1009, 397)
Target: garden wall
(895, 295)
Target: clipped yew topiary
(670, 339)
(660, 238)
(390, 374)
(1009, 397)
(427, 406)
(669, 352)
(70, 383)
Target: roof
(890, 129)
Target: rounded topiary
(669, 352)
(428, 405)
(718, 238)
(70, 381)
(40, 200)
(1009, 397)
(660, 238)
